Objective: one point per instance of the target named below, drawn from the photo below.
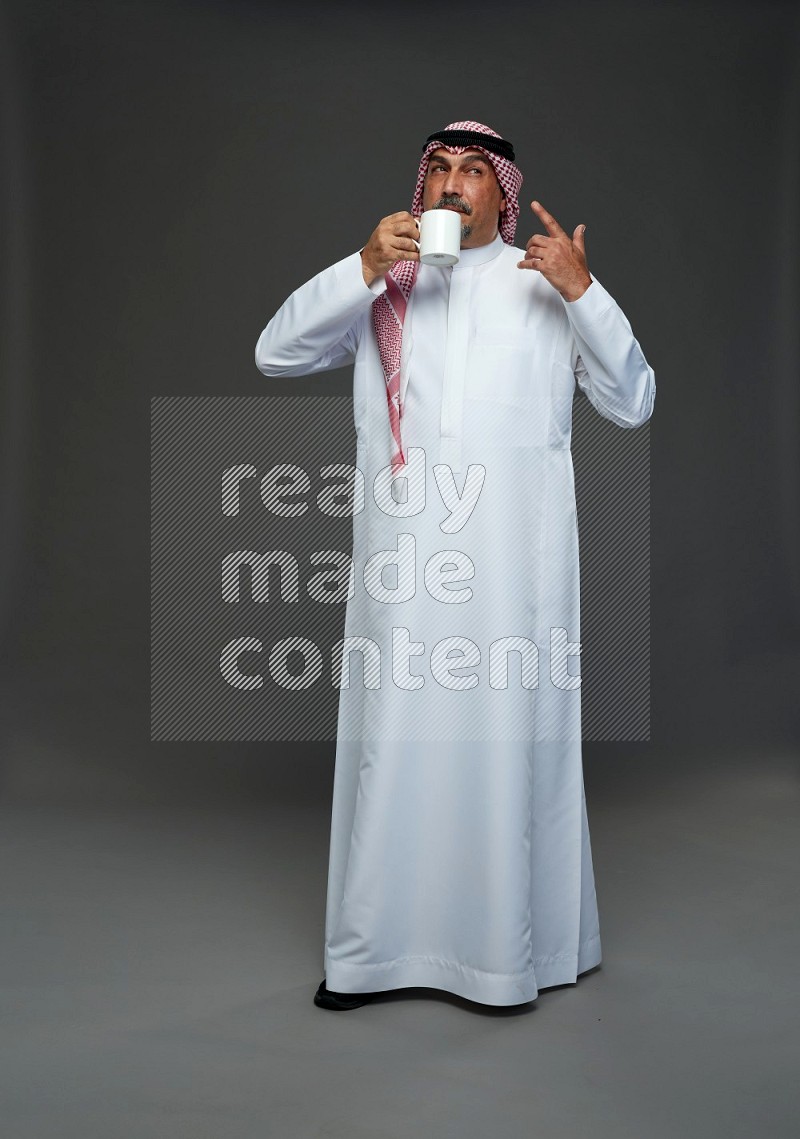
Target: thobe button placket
(454, 369)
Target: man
(460, 856)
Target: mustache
(453, 200)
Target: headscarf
(389, 309)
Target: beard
(466, 230)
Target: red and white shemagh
(389, 309)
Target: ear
(503, 204)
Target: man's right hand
(390, 242)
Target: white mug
(439, 237)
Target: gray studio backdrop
(172, 171)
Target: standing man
(459, 855)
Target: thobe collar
(479, 254)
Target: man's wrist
(576, 292)
(367, 271)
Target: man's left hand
(560, 259)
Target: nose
(452, 183)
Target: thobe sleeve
(608, 363)
(316, 328)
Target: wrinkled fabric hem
(462, 980)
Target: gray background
(170, 172)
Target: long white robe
(460, 856)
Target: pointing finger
(547, 219)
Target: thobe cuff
(352, 265)
(591, 304)
(378, 286)
(350, 276)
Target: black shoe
(324, 998)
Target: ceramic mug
(439, 237)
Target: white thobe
(460, 856)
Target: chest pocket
(499, 366)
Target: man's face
(468, 184)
